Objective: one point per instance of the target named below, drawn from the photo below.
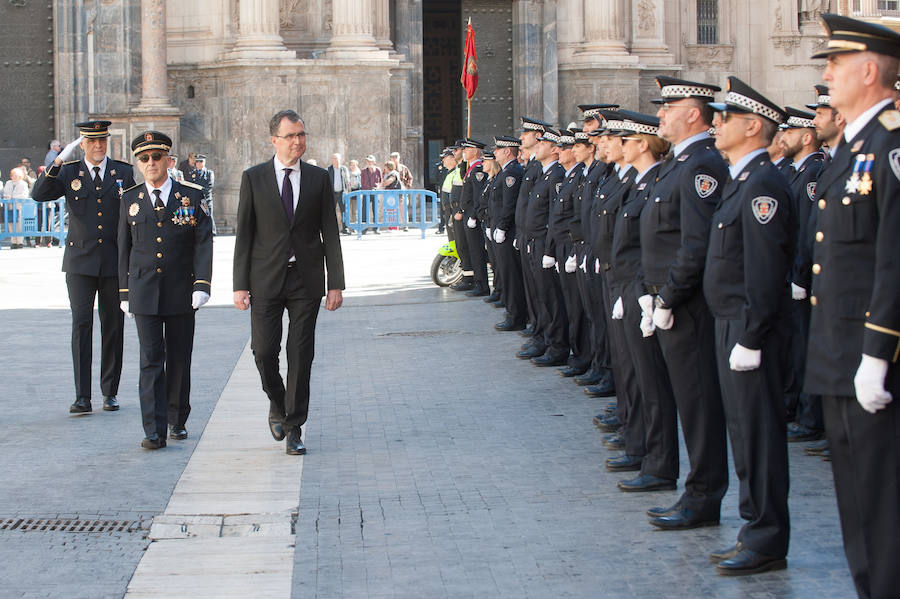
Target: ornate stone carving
(709, 56)
(788, 43)
(811, 10)
(287, 11)
(779, 19)
(647, 17)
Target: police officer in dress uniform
(675, 227)
(483, 210)
(206, 179)
(745, 284)
(504, 195)
(93, 190)
(165, 267)
(854, 341)
(458, 222)
(474, 182)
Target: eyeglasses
(156, 156)
(624, 139)
(293, 136)
(667, 106)
(726, 116)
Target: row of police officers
(672, 261)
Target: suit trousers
(802, 408)
(689, 348)
(549, 300)
(82, 291)
(510, 266)
(590, 288)
(657, 402)
(628, 395)
(462, 246)
(865, 459)
(491, 247)
(290, 403)
(755, 416)
(537, 324)
(167, 343)
(579, 333)
(477, 253)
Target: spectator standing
(187, 165)
(206, 179)
(340, 182)
(52, 153)
(405, 174)
(370, 178)
(16, 187)
(355, 185)
(173, 171)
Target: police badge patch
(76, 184)
(705, 185)
(764, 208)
(894, 161)
(510, 181)
(811, 191)
(479, 175)
(558, 186)
(134, 209)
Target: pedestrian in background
(340, 182)
(52, 152)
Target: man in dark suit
(165, 267)
(93, 190)
(278, 265)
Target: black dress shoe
(826, 455)
(464, 284)
(492, 298)
(624, 463)
(528, 331)
(603, 426)
(603, 389)
(82, 405)
(816, 448)
(591, 377)
(110, 403)
(614, 442)
(748, 561)
(726, 553)
(154, 441)
(533, 352)
(477, 291)
(646, 482)
(798, 433)
(609, 424)
(508, 325)
(499, 304)
(293, 445)
(276, 427)
(177, 433)
(656, 512)
(551, 359)
(569, 371)
(684, 519)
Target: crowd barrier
(23, 217)
(383, 208)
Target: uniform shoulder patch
(890, 119)
(811, 191)
(894, 161)
(479, 175)
(764, 208)
(191, 185)
(705, 185)
(558, 186)
(510, 181)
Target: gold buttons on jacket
(159, 254)
(820, 236)
(845, 201)
(813, 300)
(100, 241)
(816, 269)
(159, 225)
(158, 270)
(159, 240)
(99, 213)
(721, 225)
(99, 200)
(821, 204)
(100, 227)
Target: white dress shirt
(165, 189)
(295, 179)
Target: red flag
(469, 77)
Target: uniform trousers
(462, 246)
(689, 349)
(628, 395)
(549, 300)
(657, 402)
(590, 288)
(755, 417)
(579, 334)
(477, 253)
(528, 285)
(83, 289)
(802, 408)
(167, 342)
(491, 248)
(509, 265)
(289, 404)
(865, 459)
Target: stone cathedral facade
(374, 76)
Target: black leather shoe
(508, 325)
(293, 445)
(532, 352)
(826, 455)
(110, 403)
(816, 448)
(798, 433)
(477, 291)
(748, 561)
(154, 441)
(603, 389)
(276, 428)
(178, 433)
(726, 553)
(610, 424)
(614, 442)
(646, 482)
(464, 284)
(591, 377)
(684, 519)
(82, 405)
(624, 463)
(527, 331)
(494, 297)
(499, 304)
(569, 371)
(551, 359)
(599, 423)
(656, 512)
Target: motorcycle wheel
(445, 270)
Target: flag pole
(468, 99)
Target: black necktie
(158, 205)
(98, 182)
(287, 195)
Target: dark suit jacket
(264, 237)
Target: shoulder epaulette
(192, 185)
(890, 119)
(132, 187)
(70, 162)
(122, 162)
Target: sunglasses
(727, 116)
(156, 156)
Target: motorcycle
(446, 268)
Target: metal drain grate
(69, 525)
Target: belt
(653, 289)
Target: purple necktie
(287, 195)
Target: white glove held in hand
(516, 243)
(124, 307)
(198, 298)
(869, 383)
(663, 318)
(548, 261)
(798, 292)
(646, 304)
(583, 266)
(618, 310)
(743, 359)
(487, 233)
(471, 223)
(571, 264)
(69, 149)
(499, 235)
(596, 266)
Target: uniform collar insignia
(140, 195)
(683, 157)
(112, 172)
(80, 173)
(744, 176)
(857, 146)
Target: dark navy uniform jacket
(162, 261)
(205, 179)
(504, 196)
(606, 203)
(580, 227)
(803, 187)
(544, 191)
(751, 245)
(675, 222)
(562, 209)
(93, 216)
(472, 187)
(532, 171)
(625, 256)
(856, 275)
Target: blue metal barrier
(381, 208)
(20, 219)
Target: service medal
(76, 184)
(134, 209)
(185, 201)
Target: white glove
(548, 261)
(646, 304)
(583, 266)
(618, 310)
(869, 383)
(69, 149)
(596, 266)
(198, 298)
(571, 264)
(663, 318)
(123, 306)
(798, 292)
(515, 243)
(499, 235)
(471, 223)
(743, 359)
(487, 232)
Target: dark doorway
(442, 62)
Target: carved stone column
(259, 37)
(604, 29)
(352, 33)
(154, 86)
(648, 32)
(382, 27)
